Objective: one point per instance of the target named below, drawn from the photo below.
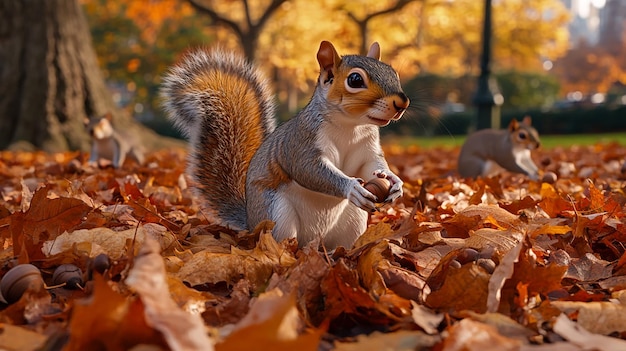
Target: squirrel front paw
(360, 196)
(396, 183)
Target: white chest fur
(351, 150)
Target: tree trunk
(49, 76)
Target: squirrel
(108, 144)
(508, 148)
(305, 175)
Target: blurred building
(613, 24)
(586, 20)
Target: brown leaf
(345, 296)
(274, 323)
(517, 205)
(255, 265)
(303, 279)
(44, 220)
(464, 288)
(379, 274)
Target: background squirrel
(508, 148)
(307, 174)
(108, 144)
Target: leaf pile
(499, 263)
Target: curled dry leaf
(107, 241)
(181, 330)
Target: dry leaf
(469, 335)
(108, 241)
(14, 338)
(274, 323)
(599, 317)
(182, 330)
(402, 340)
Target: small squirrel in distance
(508, 148)
(305, 175)
(108, 144)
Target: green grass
(547, 141)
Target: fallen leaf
(425, 318)
(470, 335)
(181, 330)
(255, 265)
(110, 242)
(598, 317)
(274, 323)
(464, 288)
(44, 220)
(579, 336)
(403, 340)
(15, 338)
(109, 320)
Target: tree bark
(49, 76)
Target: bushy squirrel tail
(224, 106)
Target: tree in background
(592, 68)
(136, 43)
(239, 17)
(51, 80)
(417, 36)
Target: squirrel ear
(374, 51)
(527, 120)
(514, 125)
(327, 57)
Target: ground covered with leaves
(502, 263)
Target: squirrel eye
(355, 81)
(522, 135)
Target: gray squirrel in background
(305, 175)
(508, 148)
(107, 143)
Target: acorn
(100, 263)
(18, 279)
(379, 187)
(467, 255)
(487, 264)
(68, 274)
(549, 177)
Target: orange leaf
(551, 202)
(109, 321)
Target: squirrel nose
(401, 103)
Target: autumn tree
(136, 43)
(416, 36)
(524, 33)
(245, 18)
(363, 16)
(590, 69)
(51, 80)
